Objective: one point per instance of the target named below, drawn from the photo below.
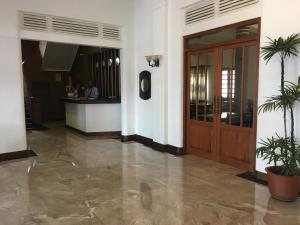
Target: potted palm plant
(283, 152)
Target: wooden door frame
(186, 52)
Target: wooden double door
(221, 92)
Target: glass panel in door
(249, 81)
(231, 75)
(193, 86)
(202, 86)
(236, 88)
(226, 71)
(237, 85)
(210, 86)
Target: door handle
(219, 100)
(215, 107)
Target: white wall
(175, 73)
(12, 121)
(276, 22)
(151, 39)
(143, 45)
(160, 74)
(12, 126)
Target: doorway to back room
(75, 84)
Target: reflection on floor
(105, 182)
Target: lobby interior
(171, 135)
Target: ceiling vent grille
(48, 23)
(34, 21)
(200, 11)
(229, 5)
(76, 27)
(111, 32)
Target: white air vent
(34, 21)
(229, 5)
(200, 11)
(74, 27)
(111, 32)
(48, 23)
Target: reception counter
(94, 116)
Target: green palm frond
(290, 45)
(274, 103)
(273, 47)
(293, 91)
(283, 47)
(279, 149)
(286, 99)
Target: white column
(12, 116)
(175, 73)
(160, 74)
(128, 104)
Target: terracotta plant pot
(299, 186)
(284, 188)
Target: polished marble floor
(75, 180)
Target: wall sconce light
(117, 61)
(153, 60)
(110, 62)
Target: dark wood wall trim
(16, 155)
(261, 176)
(127, 138)
(175, 150)
(143, 140)
(255, 176)
(103, 134)
(154, 145)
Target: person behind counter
(91, 91)
(71, 92)
(76, 90)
